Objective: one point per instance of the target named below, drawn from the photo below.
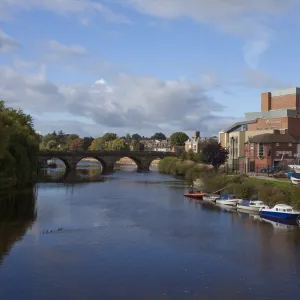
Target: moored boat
(210, 197)
(195, 195)
(227, 199)
(280, 211)
(251, 205)
(295, 178)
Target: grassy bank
(269, 191)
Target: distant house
(156, 145)
(194, 144)
(178, 149)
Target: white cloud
(248, 19)
(133, 103)
(66, 50)
(100, 81)
(83, 9)
(7, 43)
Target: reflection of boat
(281, 211)
(227, 199)
(195, 195)
(251, 206)
(227, 207)
(283, 224)
(210, 197)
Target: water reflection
(17, 214)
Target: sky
(145, 66)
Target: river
(134, 236)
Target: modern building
(194, 144)
(270, 150)
(234, 138)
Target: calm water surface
(133, 236)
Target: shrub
(295, 197)
(272, 195)
(244, 190)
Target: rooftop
(238, 124)
(269, 138)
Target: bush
(295, 197)
(244, 190)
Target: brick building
(280, 110)
(280, 113)
(270, 150)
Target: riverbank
(269, 191)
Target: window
(290, 144)
(277, 144)
(286, 131)
(259, 128)
(260, 149)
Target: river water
(134, 236)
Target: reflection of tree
(17, 214)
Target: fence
(257, 169)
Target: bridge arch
(43, 160)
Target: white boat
(281, 211)
(251, 206)
(228, 199)
(210, 198)
(295, 178)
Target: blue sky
(145, 65)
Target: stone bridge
(107, 159)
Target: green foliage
(19, 145)
(213, 153)
(87, 141)
(158, 136)
(136, 137)
(190, 155)
(137, 146)
(178, 139)
(244, 190)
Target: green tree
(51, 145)
(97, 144)
(87, 141)
(178, 139)
(107, 137)
(19, 146)
(159, 136)
(213, 153)
(70, 138)
(136, 137)
(137, 146)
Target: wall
(286, 101)
(294, 126)
(267, 124)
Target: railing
(257, 169)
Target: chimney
(197, 134)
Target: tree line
(60, 141)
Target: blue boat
(281, 211)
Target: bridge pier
(143, 166)
(107, 166)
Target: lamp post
(232, 142)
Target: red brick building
(270, 150)
(280, 110)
